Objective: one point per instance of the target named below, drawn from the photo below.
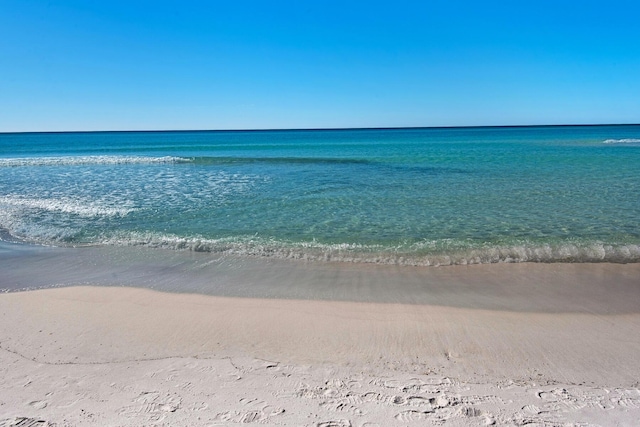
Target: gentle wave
(89, 160)
(66, 205)
(378, 254)
(227, 160)
(324, 161)
(207, 160)
(622, 141)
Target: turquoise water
(401, 196)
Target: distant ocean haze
(396, 196)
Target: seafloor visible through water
(398, 196)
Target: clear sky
(118, 65)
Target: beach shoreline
(114, 355)
(602, 288)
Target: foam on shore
(238, 339)
(530, 287)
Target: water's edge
(531, 287)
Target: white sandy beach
(113, 356)
(319, 213)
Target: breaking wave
(622, 141)
(412, 255)
(89, 160)
(66, 205)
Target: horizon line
(320, 128)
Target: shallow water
(601, 288)
(402, 196)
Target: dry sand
(112, 356)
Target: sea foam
(67, 205)
(89, 160)
(378, 254)
(622, 141)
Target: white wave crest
(622, 141)
(376, 254)
(65, 205)
(89, 160)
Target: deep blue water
(407, 196)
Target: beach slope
(124, 356)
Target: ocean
(420, 197)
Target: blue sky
(132, 65)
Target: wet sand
(601, 288)
(526, 344)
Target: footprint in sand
(24, 422)
(199, 406)
(419, 388)
(470, 412)
(150, 405)
(316, 393)
(412, 415)
(206, 369)
(352, 398)
(531, 409)
(147, 396)
(334, 423)
(413, 383)
(398, 400)
(38, 404)
(186, 386)
(264, 409)
(476, 399)
(443, 401)
(338, 386)
(251, 416)
(341, 406)
(372, 396)
(422, 402)
(562, 396)
(627, 402)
